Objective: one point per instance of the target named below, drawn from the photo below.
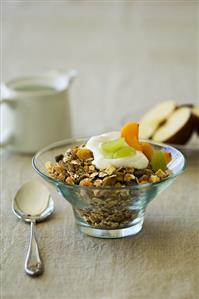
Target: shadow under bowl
(107, 212)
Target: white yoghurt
(139, 160)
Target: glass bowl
(107, 212)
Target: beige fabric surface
(131, 54)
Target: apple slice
(178, 128)
(112, 145)
(195, 112)
(158, 161)
(152, 119)
(124, 152)
(189, 105)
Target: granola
(102, 208)
(105, 166)
(75, 167)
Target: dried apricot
(130, 132)
(147, 150)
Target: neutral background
(130, 55)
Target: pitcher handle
(6, 137)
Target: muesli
(108, 163)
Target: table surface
(129, 54)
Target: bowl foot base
(112, 233)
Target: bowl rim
(82, 140)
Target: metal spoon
(33, 203)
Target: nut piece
(110, 170)
(102, 174)
(86, 182)
(98, 182)
(143, 178)
(91, 168)
(161, 173)
(49, 165)
(154, 179)
(129, 177)
(70, 181)
(109, 181)
(84, 153)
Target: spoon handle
(33, 263)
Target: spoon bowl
(33, 202)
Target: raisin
(59, 158)
(139, 172)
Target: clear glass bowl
(107, 212)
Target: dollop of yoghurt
(101, 161)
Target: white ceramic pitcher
(40, 110)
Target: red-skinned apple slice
(195, 112)
(189, 105)
(152, 119)
(178, 128)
